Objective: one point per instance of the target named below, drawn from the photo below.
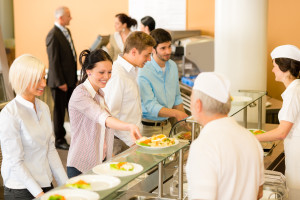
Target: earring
(89, 74)
(123, 29)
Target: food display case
(150, 160)
(162, 175)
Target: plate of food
(256, 131)
(240, 100)
(70, 194)
(157, 142)
(93, 182)
(185, 135)
(118, 169)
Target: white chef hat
(286, 51)
(213, 85)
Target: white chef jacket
(290, 112)
(123, 98)
(27, 144)
(291, 107)
(225, 162)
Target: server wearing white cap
(286, 61)
(225, 161)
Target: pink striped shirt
(88, 113)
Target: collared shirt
(223, 156)
(88, 114)
(123, 98)
(291, 107)
(68, 37)
(158, 88)
(27, 144)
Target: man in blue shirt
(159, 88)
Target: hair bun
(84, 54)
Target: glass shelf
(254, 95)
(242, 106)
(148, 158)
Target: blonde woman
(27, 142)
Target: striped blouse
(91, 141)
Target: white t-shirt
(291, 107)
(225, 162)
(122, 96)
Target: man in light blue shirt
(159, 88)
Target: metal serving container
(186, 129)
(274, 187)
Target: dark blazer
(62, 65)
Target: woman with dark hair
(286, 61)
(147, 24)
(90, 119)
(123, 23)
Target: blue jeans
(72, 171)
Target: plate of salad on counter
(70, 194)
(256, 131)
(185, 135)
(118, 168)
(93, 182)
(157, 142)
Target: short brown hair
(138, 40)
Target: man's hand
(40, 194)
(63, 87)
(179, 115)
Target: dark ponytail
(88, 59)
(148, 21)
(126, 19)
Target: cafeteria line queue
(256, 182)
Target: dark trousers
(72, 171)
(61, 101)
(21, 194)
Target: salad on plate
(123, 166)
(156, 141)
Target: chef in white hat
(286, 62)
(225, 161)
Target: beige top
(116, 45)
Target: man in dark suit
(62, 76)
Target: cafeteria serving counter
(156, 179)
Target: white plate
(73, 194)
(105, 169)
(98, 182)
(240, 100)
(176, 142)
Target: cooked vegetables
(185, 136)
(156, 141)
(80, 184)
(257, 132)
(57, 197)
(124, 166)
